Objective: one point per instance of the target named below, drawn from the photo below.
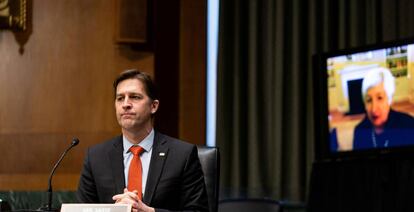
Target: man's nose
(126, 103)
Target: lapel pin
(162, 154)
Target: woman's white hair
(376, 76)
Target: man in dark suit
(170, 174)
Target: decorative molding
(133, 22)
(13, 14)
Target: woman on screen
(382, 126)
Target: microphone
(75, 141)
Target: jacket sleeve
(87, 192)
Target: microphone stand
(48, 207)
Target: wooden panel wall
(166, 64)
(192, 76)
(59, 87)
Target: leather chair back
(210, 163)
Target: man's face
(133, 106)
(376, 105)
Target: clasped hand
(131, 197)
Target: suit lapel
(158, 157)
(116, 159)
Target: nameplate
(69, 207)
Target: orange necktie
(135, 171)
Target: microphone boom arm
(75, 142)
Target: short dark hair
(149, 85)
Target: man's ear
(154, 106)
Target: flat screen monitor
(365, 100)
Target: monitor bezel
(321, 112)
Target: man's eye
(135, 97)
(120, 98)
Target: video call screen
(367, 111)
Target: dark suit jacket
(175, 180)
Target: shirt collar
(146, 143)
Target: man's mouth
(127, 114)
